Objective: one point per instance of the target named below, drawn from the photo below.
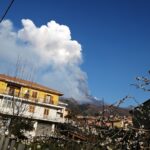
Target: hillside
(93, 108)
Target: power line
(6, 11)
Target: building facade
(141, 116)
(28, 99)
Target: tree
(143, 83)
(19, 126)
(17, 123)
(141, 114)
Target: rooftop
(27, 83)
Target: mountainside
(93, 108)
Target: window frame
(31, 108)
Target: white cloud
(51, 48)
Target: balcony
(60, 111)
(15, 107)
(26, 97)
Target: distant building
(141, 115)
(31, 100)
(89, 120)
(121, 122)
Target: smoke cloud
(51, 49)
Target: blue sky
(114, 36)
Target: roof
(146, 102)
(27, 83)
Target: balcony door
(46, 113)
(13, 90)
(34, 96)
(49, 99)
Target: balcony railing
(25, 96)
(6, 107)
(32, 116)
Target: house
(122, 122)
(28, 99)
(88, 120)
(141, 115)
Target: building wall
(40, 94)
(10, 105)
(3, 86)
(6, 107)
(44, 129)
(118, 124)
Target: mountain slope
(93, 108)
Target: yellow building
(39, 102)
(28, 90)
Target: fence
(7, 143)
(10, 144)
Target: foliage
(143, 83)
(141, 114)
(18, 126)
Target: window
(4, 104)
(48, 99)
(17, 92)
(11, 91)
(31, 108)
(27, 93)
(9, 104)
(46, 112)
(34, 94)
